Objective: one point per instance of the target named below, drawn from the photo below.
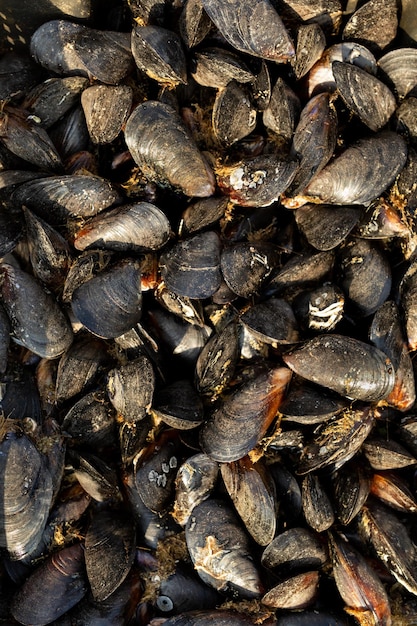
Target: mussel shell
(303, 270)
(78, 367)
(297, 592)
(155, 471)
(387, 335)
(310, 46)
(362, 172)
(11, 229)
(106, 109)
(326, 226)
(27, 495)
(309, 404)
(130, 388)
(359, 586)
(251, 490)
(317, 506)
(158, 52)
(219, 549)
(109, 552)
(53, 98)
(58, 197)
(337, 440)
(374, 24)
(255, 29)
(139, 226)
(49, 251)
(366, 277)
(272, 321)
(257, 181)
(192, 267)
(391, 541)
(400, 69)
(387, 455)
(219, 617)
(216, 67)
(109, 304)
(247, 413)
(75, 49)
(37, 321)
(346, 365)
(179, 405)
(90, 422)
(233, 116)
(195, 481)
(194, 23)
(351, 486)
(294, 550)
(314, 139)
(364, 94)
(282, 113)
(217, 360)
(150, 128)
(28, 141)
(320, 77)
(246, 266)
(320, 309)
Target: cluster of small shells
(208, 313)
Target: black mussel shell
(109, 304)
(179, 405)
(246, 266)
(109, 552)
(258, 181)
(28, 141)
(194, 23)
(234, 116)
(79, 367)
(325, 226)
(106, 109)
(317, 506)
(195, 481)
(219, 549)
(37, 321)
(358, 584)
(26, 495)
(252, 491)
(282, 113)
(70, 49)
(310, 46)
(297, 592)
(364, 94)
(272, 321)
(53, 98)
(365, 277)
(162, 147)
(314, 139)
(130, 388)
(58, 197)
(386, 334)
(348, 366)
(247, 413)
(254, 29)
(158, 52)
(52, 589)
(362, 172)
(192, 267)
(216, 67)
(217, 361)
(373, 24)
(155, 469)
(139, 226)
(294, 550)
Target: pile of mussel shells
(208, 316)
